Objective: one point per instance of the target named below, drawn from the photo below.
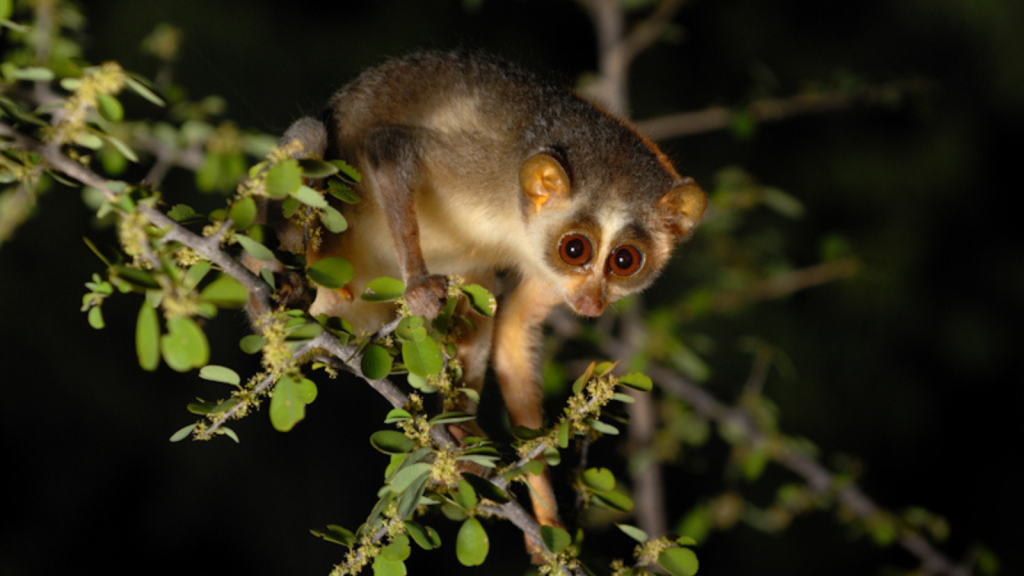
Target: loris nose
(589, 305)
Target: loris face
(598, 248)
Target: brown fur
(473, 167)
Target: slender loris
(473, 167)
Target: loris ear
(683, 207)
(543, 178)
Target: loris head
(605, 236)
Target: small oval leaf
(184, 346)
(243, 213)
(376, 362)
(422, 358)
(599, 479)
(392, 442)
(330, 272)
(109, 107)
(472, 543)
(147, 338)
(556, 539)
(383, 290)
(679, 561)
(223, 374)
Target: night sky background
(912, 367)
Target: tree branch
(819, 478)
(775, 109)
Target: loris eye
(625, 260)
(575, 249)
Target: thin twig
(775, 109)
(817, 476)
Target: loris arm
(393, 162)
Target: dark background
(912, 367)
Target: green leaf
(564, 431)
(88, 140)
(466, 495)
(599, 479)
(637, 381)
(309, 197)
(603, 368)
(420, 383)
(333, 220)
(482, 301)
(472, 543)
(346, 169)
(633, 532)
(603, 427)
(397, 415)
(137, 278)
(96, 318)
(317, 168)
(243, 213)
(451, 418)
(330, 272)
(624, 398)
(383, 290)
(405, 477)
(123, 149)
(109, 107)
(196, 273)
(307, 391)
(181, 213)
(398, 550)
(288, 405)
(31, 74)
(392, 442)
(425, 536)
(422, 358)
(184, 346)
(252, 343)
(342, 192)
(223, 374)
(485, 461)
(580, 382)
(410, 499)
(411, 328)
(613, 500)
(225, 292)
(182, 433)
(679, 561)
(376, 362)
(147, 338)
(336, 534)
(556, 539)
(305, 331)
(283, 178)
(255, 249)
(486, 489)
(384, 567)
(686, 541)
(141, 89)
(533, 467)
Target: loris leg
(393, 159)
(516, 336)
